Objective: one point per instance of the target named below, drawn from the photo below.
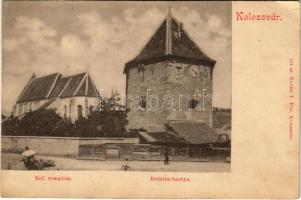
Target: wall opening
(193, 104)
(142, 102)
(80, 111)
(65, 112)
(91, 108)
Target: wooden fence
(145, 152)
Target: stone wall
(168, 87)
(62, 146)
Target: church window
(31, 106)
(80, 111)
(19, 109)
(65, 111)
(70, 109)
(86, 107)
(91, 108)
(142, 102)
(193, 104)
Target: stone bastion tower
(169, 80)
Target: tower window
(193, 104)
(142, 102)
(141, 70)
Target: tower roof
(170, 41)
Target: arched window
(80, 111)
(33, 106)
(91, 108)
(71, 107)
(86, 107)
(65, 111)
(193, 104)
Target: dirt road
(12, 161)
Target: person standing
(166, 155)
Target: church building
(169, 80)
(72, 97)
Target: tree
(41, 122)
(109, 119)
(64, 128)
(11, 126)
(109, 122)
(111, 103)
(3, 117)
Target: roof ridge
(37, 77)
(69, 76)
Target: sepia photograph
(116, 86)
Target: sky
(71, 37)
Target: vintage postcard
(140, 99)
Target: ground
(12, 161)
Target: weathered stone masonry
(171, 79)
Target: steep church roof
(170, 41)
(56, 86)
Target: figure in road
(166, 155)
